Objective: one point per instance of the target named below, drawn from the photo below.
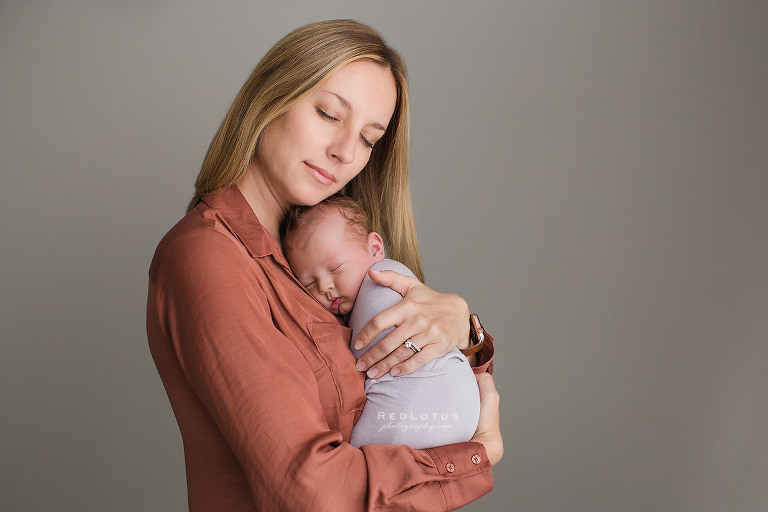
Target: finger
(399, 354)
(382, 349)
(429, 352)
(390, 317)
(413, 330)
(395, 280)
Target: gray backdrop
(592, 176)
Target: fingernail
(395, 372)
(358, 344)
(361, 366)
(372, 373)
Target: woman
(259, 374)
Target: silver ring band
(411, 345)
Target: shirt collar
(233, 209)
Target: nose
(343, 147)
(325, 284)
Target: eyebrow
(348, 105)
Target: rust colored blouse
(264, 386)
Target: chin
(310, 196)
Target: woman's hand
(436, 322)
(488, 432)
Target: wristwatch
(476, 336)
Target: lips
(335, 304)
(320, 174)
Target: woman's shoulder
(200, 238)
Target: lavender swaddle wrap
(438, 404)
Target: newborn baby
(330, 248)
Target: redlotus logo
(416, 416)
(416, 421)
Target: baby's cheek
(352, 285)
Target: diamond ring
(411, 345)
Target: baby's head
(330, 247)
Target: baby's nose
(325, 285)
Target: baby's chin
(339, 314)
(344, 308)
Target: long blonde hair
(293, 69)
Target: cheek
(353, 279)
(284, 135)
(305, 130)
(348, 173)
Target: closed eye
(338, 267)
(326, 115)
(309, 286)
(329, 117)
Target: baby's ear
(375, 246)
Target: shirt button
(476, 459)
(450, 467)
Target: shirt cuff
(466, 469)
(485, 356)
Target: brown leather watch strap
(476, 336)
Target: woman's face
(315, 148)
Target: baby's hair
(298, 222)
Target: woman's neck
(264, 204)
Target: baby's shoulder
(375, 296)
(387, 264)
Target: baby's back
(438, 404)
